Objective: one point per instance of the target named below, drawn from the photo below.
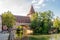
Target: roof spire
(31, 10)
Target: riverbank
(45, 37)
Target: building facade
(24, 20)
(21, 20)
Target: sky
(22, 7)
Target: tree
(34, 16)
(8, 19)
(35, 23)
(56, 23)
(46, 20)
(19, 32)
(42, 22)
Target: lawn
(39, 37)
(45, 37)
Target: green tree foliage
(42, 22)
(8, 19)
(56, 22)
(35, 23)
(46, 22)
(19, 32)
(34, 16)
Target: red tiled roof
(22, 19)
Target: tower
(31, 11)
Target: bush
(19, 31)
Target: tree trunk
(11, 35)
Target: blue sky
(21, 7)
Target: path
(4, 36)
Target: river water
(55, 37)
(45, 37)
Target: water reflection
(54, 37)
(51, 38)
(45, 37)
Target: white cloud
(1, 2)
(34, 1)
(37, 7)
(17, 7)
(38, 3)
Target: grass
(39, 37)
(44, 37)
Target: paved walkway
(4, 36)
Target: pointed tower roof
(31, 10)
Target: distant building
(21, 20)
